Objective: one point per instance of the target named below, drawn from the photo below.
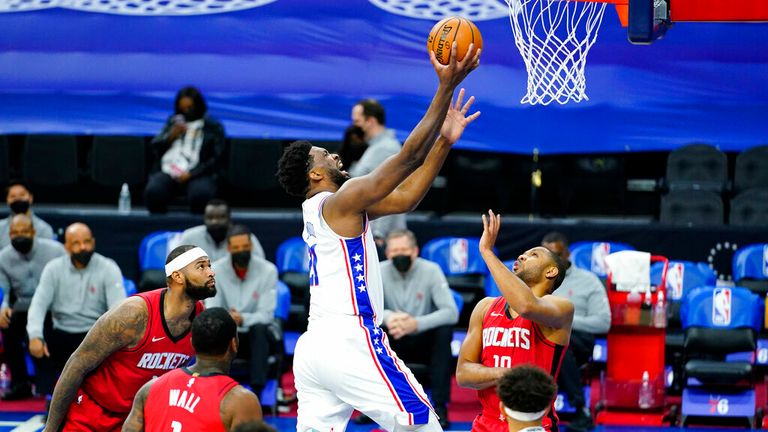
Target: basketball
(462, 30)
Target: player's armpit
(120, 327)
(239, 406)
(135, 420)
(470, 372)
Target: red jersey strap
(493, 307)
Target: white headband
(184, 260)
(525, 417)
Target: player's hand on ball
(491, 225)
(455, 71)
(456, 119)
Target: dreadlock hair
(293, 167)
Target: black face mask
(242, 258)
(19, 206)
(22, 244)
(402, 262)
(217, 231)
(83, 257)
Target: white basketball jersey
(344, 273)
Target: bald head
(79, 242)
(21, 222)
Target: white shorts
(338, 370)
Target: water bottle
(660, 312)
(124, 203)
(645, 395)
(632, 312)
(5, 379)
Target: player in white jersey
(343, 361)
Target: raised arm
(359, 193)
(549, 311)
(135, 420)
(119, 327)
(409, 193)
(470, 371)
(239, 406)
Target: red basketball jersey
(117, 380)
(186, 402)
(510, 342)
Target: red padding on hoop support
(718, 10)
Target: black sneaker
(362, 419)
(19, 392)
(581, 422)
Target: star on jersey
(360, 277)
(356, 257)
(361, 288)
(359, 268)
(379, 350)
(376, 331)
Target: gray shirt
(379, 149)
(20, 273)
(590, 301)
(421, 292)
(198, 236)
(254, 297)
(76, 298)
(42, 230)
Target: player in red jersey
(526, 325)
(144, 336)
(201, 398)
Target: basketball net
(554, 37)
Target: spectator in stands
(77, 288)
(368, 114)
(212, 235)
(247, 288)
(592, 315)
(189, 151)
(21, 264)
(419, 314)
(19, 200)
(525, 393)
(352, 146)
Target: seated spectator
(212, 235)
(352, 146)
(525, 395)
(21, 264)
(247, 288)
(190, 150)
(77, 289)
(591, 316)
(19, 200)
(419, 314)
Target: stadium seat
(283, 307)
(750, 171)
(590, 256)
(464, 268)
(750, 268)
(50, 160)
(4, 160)
(153, 251)
(750, 208)
(118, 159)
(130, 287)
(719, 321)
(697, 167)
(292, 262)
(692, 207)
(491, 289)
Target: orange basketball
(462, 30)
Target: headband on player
(184, 260)
(525, 417)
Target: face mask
(19, 206)
(22, 244)
(218, 232)
(241, 258)
(83, 257)
(402, 262)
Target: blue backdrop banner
(293, 69)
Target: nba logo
(675, 276)
(721, 306)
(599, 252)
(765, 260)
(459, 251)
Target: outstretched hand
(456, 119)
(491, 225)
(455, 71)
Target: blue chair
(590, 256)
(292, 261)
(283, 307)
(719, 321)
(152, 254)
(750, 268)
(456, 298)
(130, 287)
(682, 277)
(491, 289)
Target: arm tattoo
(135, 421)
(116, 329)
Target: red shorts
(86, 415)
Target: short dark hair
(372, 108)
(216, 202)
(403, 233)
(178, 251)
(526, 388)
(16, 182)
(293, 167)
(561, 269)
(212, 331)
(555, 237)
(193, 93)
(254, 426)
(236, 230)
